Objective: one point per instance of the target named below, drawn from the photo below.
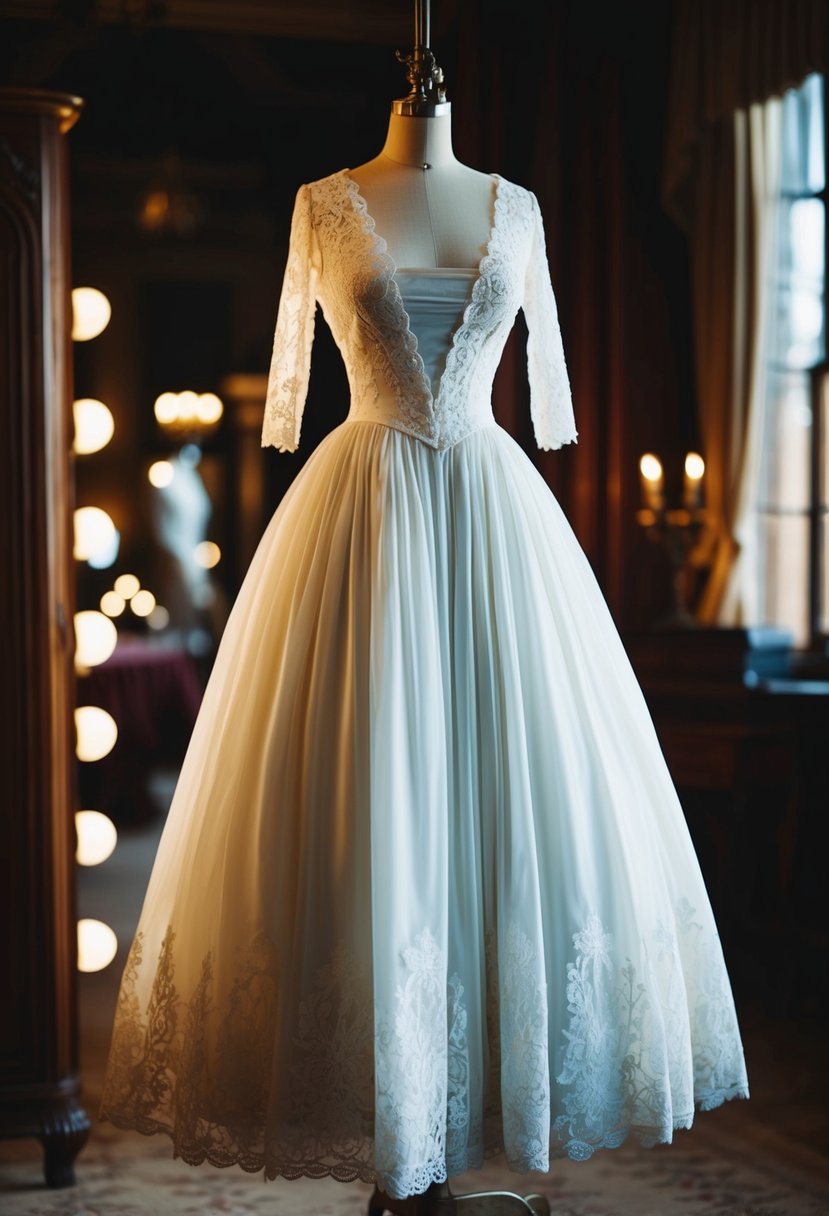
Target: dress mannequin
(433, 212)
(424, 793)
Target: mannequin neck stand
(432, 210)
(416, 142)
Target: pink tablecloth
(153, 693)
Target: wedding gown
(425, 893)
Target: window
(790, 540)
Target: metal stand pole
(428, 100)
(438, 1200)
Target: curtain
(574, 109)
(731, 57)
(734, 438)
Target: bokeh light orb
(161, 473)
(97, 945)
(96, 732)
(91, 312)
(94, 425)
(650, 467)
(166, 408)
(97, 836)
(95, 638)
(159, 618)
(126, 585)
(112, 604)
(209, 408)
(143, 602)
(694, 465)
(94, 533)
(207, 554)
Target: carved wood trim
(38, 1027)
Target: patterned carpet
(765, 1157)
(714, 1169)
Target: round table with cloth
(153, 692)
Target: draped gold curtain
(730, 57)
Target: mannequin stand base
(438, 1200)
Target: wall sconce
(676, 529)
(188, 414)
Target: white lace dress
(425, 893)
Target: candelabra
(676, 529)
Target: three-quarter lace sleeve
(551, 404)
(294, 335)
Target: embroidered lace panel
(387, 1095)
(337, 256)
(294, 334)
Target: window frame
(815, 512)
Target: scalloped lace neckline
(362, 208)
(390, 269)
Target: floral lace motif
(525, 1072)
(339, 1086)
(294, 334)
(413, 1047)
(641, 1050)
(551, 405)
(355, 285)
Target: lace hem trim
(374, 1085)
(552, 445)
(365, 1171)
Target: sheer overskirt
(425, 892)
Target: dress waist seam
(490, 424)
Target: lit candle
(650, 468)
(694, 469)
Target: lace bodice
(337, 258)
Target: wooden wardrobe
(39, 1081)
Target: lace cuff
(550, 400)
(294, 334)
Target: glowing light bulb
(694, 465)
(166, 408)
(97, 837)
(161, 473)
(91, 311)
(650, 467)
(96, 732)
(209, 408)
(94, 425)
(94, 533)
(112, 603)
(143, 602)
(97, 945)
(159, 618)
(95, 638)
(692, 486)
(207, 554)
(126, 585)
(188, 406)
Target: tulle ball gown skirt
(425, 893)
